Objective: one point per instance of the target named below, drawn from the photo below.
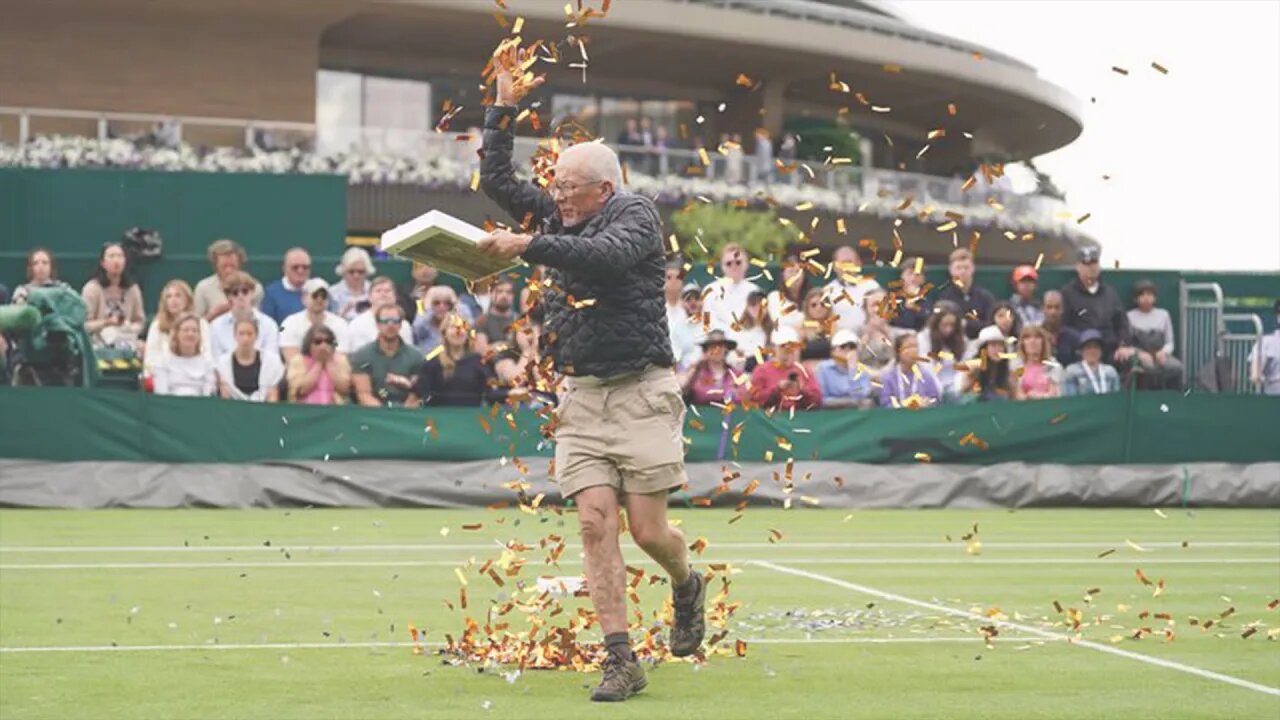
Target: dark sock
(689, 586)
(619, 644)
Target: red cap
(1022, 272)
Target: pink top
(1035, 379)
(322, 393)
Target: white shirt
(297, 325)
(223, 332)
(850, 314)
(724, 299)
(270, 372)
(749, 340)
(784, 312)
(364, 330)
(184, 376)
(157, 350)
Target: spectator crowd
(813, 337)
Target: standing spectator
(319, 374)
(975, 303)
(850, 287)
(283, 297)
(495, 324)
(909, 383)
(1024, 280)
(456, 376)
(1090, 304)
(911, 307)
(42, 271)
(726, 298)
(753, 332)
(113, 302)
(815, 331)
(1037, 377)
(184, 370)
(647, 140)
(1264, 360)
(294, 327)
(364, 329)
(382, 371)
(661, 144)
(350, 297)
(1091, 376)
(1005, 317)
(989, 376)
(1065, 339)
(782, 383)
(227, 259)
(875, 346)
(840, 381)
(763, 156)
(175, 301)
(711, 379)
(1151, 330)
(247, 372)
(430, 326)
(734, 159)
(239, 289)
(786, 302)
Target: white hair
(355, 256)
(598, 162)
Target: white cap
(316, 283)
(990, 333)
(786, 335)
(844, 337)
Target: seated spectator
(1091, 376)
(424, 278)
(248, 372)
(113, 302)
(988, 377)
(781, 382)
(1037, 376)
(685, 338)
(1065, 340)
(382, 372)
(42, 271)
(1090, 304)
(1024, 280)
(184, 370)
(227, 258)
(364, 329)
(429, 327)
(495, 324)
(318, 374)
(815, 331)
(875, 346)
(1151, 331)
(316, 292)
(711, 379)
(1264, 359)
(239, 289)
(909, 383)
(751, 332)
(456, 376)
(911, 307)
(786, 302)
(944, 344)
(726, 298)
(850, 287)
(1005, 317)
(175, 301)
(680, 326)
(350, 297)
(840, 381)
(283, 297)
(975, 303)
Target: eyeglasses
(567, 188)
(322, 341)
(300, 267)
(389, 321)
(356, 271)
(445, 303)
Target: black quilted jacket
(605, 312)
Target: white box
(445, 242)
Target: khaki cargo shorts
(625, 432)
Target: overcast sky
(1194, 155)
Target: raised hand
(511, 74)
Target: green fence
(70, 424)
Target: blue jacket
(279, 303)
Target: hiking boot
(622, 679)
(691, 621)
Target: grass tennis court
(192, 614)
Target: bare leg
(649, 528)
(605, 571)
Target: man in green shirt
(383, 371)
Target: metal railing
(1201, 325)
(172, 129)
(1241, 336)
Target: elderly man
(284, 296)
(227, 258)
(618, 442)
(1090, 304)
(726, 298)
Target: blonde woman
(456, 376)
(439, 303)
(176, 300)
(185, 370)
(355, 271)
(1037, 377)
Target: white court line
(534, 562)
(277, 547)
(1027, 629)
(375, 645)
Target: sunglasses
(322, 341)
(849, 346)
(389, 321)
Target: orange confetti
(740, 648)
(475, 526)
(1160, 68)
